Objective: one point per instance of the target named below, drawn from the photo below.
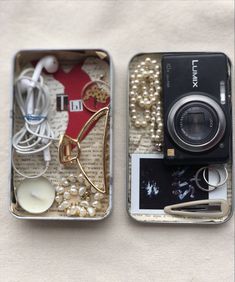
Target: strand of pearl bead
(75, 197)
(145, 100)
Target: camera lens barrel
(196, 122)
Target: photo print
(155, 185)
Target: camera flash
(222, 93)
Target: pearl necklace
(75, 197)
(145, 100)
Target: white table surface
(116, 249)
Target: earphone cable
(36, 134)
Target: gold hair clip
(67, 154)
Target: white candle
(35, 195)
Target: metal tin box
(156, 191)
(81, 88)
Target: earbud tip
(52, 64)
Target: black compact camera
(197, 108)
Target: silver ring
(220, 181)
(197, 181)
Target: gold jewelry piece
(75, 197)
(67, 145)
(98, 90)
(146, 101)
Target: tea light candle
(35, 195)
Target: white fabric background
(116, 249)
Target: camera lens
(196, 123)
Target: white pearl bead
(137, 123)
(65, 204)
(58, 199)
(80, 178)
(82, 191)
(141, 103)
(65, 183)
(91, 211)
(147, 117)
(153, 137)
(68, 212)
(96, 204)
(83, 212)
(134, 118)
(72, 178)
(145, 94)
(147, 104)
(78, 208)
(98, 196)
(59, 190)
(144, 123)
(132, 106)
(84, 204)
(73, 210)
(63, 179)
(61, 207)
(66, 195)
(73, 190)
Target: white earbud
(51, 65)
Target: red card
(74, 81)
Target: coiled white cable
(36, 134)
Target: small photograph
(162, 185)
(155, 185)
